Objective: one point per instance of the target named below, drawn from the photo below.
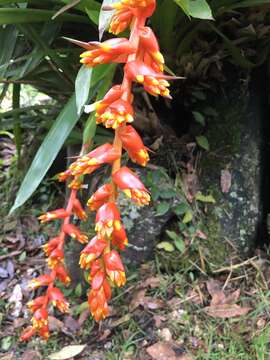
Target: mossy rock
(235, 141)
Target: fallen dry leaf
(224, 311)
(225, 180)
(147, 302)
(67, 352)
(166, 351)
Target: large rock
(235, 151)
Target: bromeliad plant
(100, 257)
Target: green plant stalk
(17, 126)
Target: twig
(236, 266)
(6, 256)
(228, 279)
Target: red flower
(36, 303)
(90, 162)
(138, 8)
(107, 219)
(149, 50)
(116, 114)
(113, 50)
(97, 280)
(98, 304)
(131, 185)
(61, 274)
(44, 332)
(154, 82)
(133, 144)
(120, 21)
(92, 251)
(98, 296)
(27, 333)
(75, 233)
(56, 257)
(51, 245)
(100, 197)
(58, 300)
(42, 280)
(55, 214)
(114, 268)
(119, 237)
(40, 318)
(78, 210)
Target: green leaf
(78, 290)
(178, 240)
(47, 152)
(199, 117)
(8, 38)
(203, 142)
(196, 8)
(181, 209)
(82, 87)
(188, 217)
(162, 208)
(93, 14)
(105, 17)
(20, 16)
(164, 245)
(205, 198)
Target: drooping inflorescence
(100, 258)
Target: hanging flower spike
(131, 185)
(149, 50)
(78, 210)
(107, 219)
(100, 197)
(57, 299)
(90, 162)
(113, 50)
(75, 233)
(92, 251)
(52, 215)
(133, 144)
(114, 268)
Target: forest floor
(161, 315)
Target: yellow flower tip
(110, 223)
(129, 118)
(127, 192)
(117, 225)
(105, 47)
(159, 57)
(140, 78)
(92, 162)
(117, 6)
